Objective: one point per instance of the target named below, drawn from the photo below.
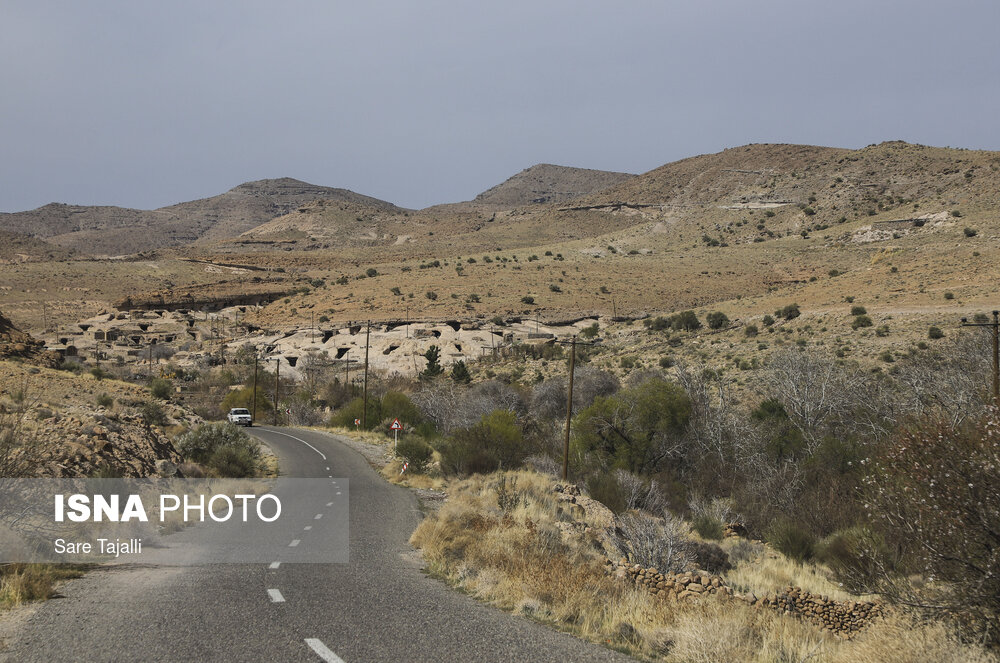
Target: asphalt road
(377, 607)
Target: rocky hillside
(71, 425)
(546, 183)
(19, 248)
(118, 230)
(805, 187)
(16, 344)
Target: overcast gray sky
(147, 103)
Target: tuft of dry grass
(769, 571)
(903, 638)
(522, 559)
(20, 583)
(392, 472)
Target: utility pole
(277, 371)
(995, 333)
(364, 412)
(313, 327)
(254, 415)
(569, 409)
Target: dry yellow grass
(770, 571)
(20, 583)
(518, 560)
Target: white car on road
(240, 416)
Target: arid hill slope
(546, 183)
(117, 230)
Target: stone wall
(843, 618)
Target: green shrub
(709, 527)
(949, 295)
(527, 299)
(767, 320)
(971, 232)
(861, 321)
(751, 330)
(604, 488)
(709, 556)
(161, 388)
(882, 330)
(224, 448)
(793, 541)
(496, 442)
(234, 462)
(416, 452)
(104, 400)
(152, 414)
(431, 295)
(590, 331)
(935, 333)
(854, 555)
(685, 320)
(789, 312)
(371, 272)
(858, 310)
(717, 320)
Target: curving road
(377, 607)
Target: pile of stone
(680, 585)
(844, 618)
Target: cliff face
(15, 343)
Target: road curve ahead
(377, 607)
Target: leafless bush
(544, 465)
(548, 400)
(824, 397)
(21, 449)
(453, 406)
(950, 380)
(639, 493)
(663, 544)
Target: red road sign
(396, 425)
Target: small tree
(460, 373)
(789, 312)
(434, 369)
(935, 491)
(717, 320)
(685, 320)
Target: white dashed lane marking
(294, 543)
(275, 565)
(307, 528)
(323, 651)
(329, 503)
(318, 515)
(276, 596)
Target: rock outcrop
(16, 344)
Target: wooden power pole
(254, 411)
(364, 411)
(569, 409)
(995, 333)
(277, 372)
